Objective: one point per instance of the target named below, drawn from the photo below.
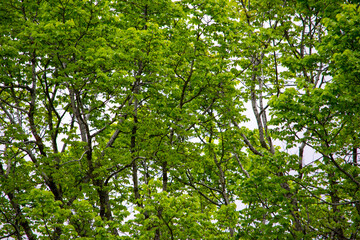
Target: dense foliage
(202, 119)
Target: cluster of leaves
(127, 119)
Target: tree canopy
(216, 119)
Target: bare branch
(76, 160)
(241, 166)
(247, 142)
(121, 169)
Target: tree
(126, 119)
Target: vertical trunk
(105, 210)
(301, 156)
(50, 182)
(133, 145)
(164, 188)
(165, 175)
(223, 189)
(157, 234)
(262, 127)
(263, 115)
(354, 155)
(105, 207)
(257, 116)
(135, 182)
(74, 98)
(337, 232)
(20, 219)
(355, 162)
(32, 108)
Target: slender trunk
(337, 232)
(165, 175)
(301, 156)
(257, 116)
(133, 146)
(355, 162)
(263, 116)
(20, 219)
(223, 189)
